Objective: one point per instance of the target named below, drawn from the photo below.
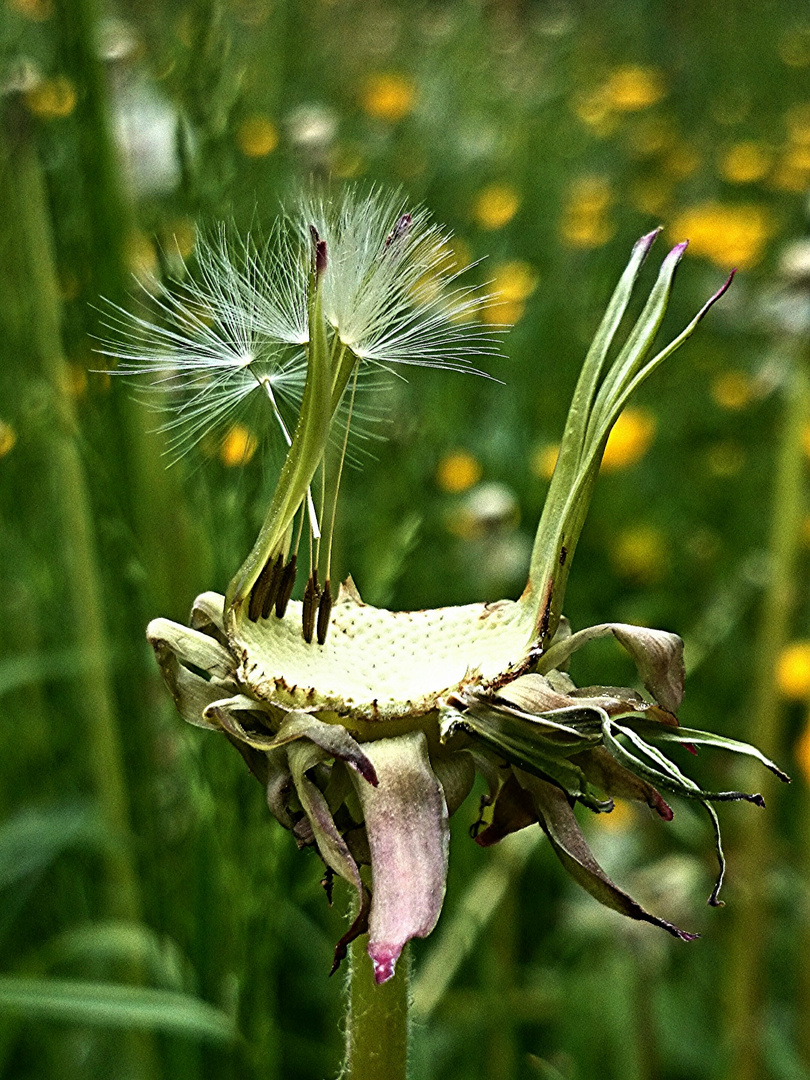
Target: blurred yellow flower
(544, 460)
(256, 135)
(461, 251)
(458, 471)
(585, 222)
(621, 817)
(794, 47)
(732, 389)
(347, 163)
(69, 284)
(8, 438)
(797, 122)
(496, 205)
(388, 96)
(651, 134)
(745, 162)
(652, 196)
(729, 235)
(633, 87)
(141, 257)
(183, 233)
(629, 440)
(594, 108)
(640, 555)
(793, 670)
(38, 10)
(52, 98)
(794, 169)
(512, 283)
(238, 446)
(75, 380)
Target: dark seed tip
(324, 613)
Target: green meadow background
(154, 921)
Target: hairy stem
(377, 1020)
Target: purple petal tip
(384, 961)
(647, 241)
(678, 250)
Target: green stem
(745, 980)
(377, 1020)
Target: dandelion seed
(308, 326)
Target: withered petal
(657, 654)
(196, 669)
(603, 771)
(192, 648)
(407, 826)
(513, 811)
(303, 756)
(566, 838)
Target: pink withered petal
(408, 835)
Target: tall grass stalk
(749, 938)
(75, 520)
(155, 503)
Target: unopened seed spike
(309, 610)
(286, 587)
(272, 590)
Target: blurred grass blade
(36, 836)
(158, 956)
(18, 672)
(114, 1005)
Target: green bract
(367, 738)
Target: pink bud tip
(647, 241)
(384, 960)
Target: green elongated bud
(598, 400)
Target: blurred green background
(153, 922)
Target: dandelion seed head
(231, 329)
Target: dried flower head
(367, 738)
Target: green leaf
(17, 672)
(115, 1005)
